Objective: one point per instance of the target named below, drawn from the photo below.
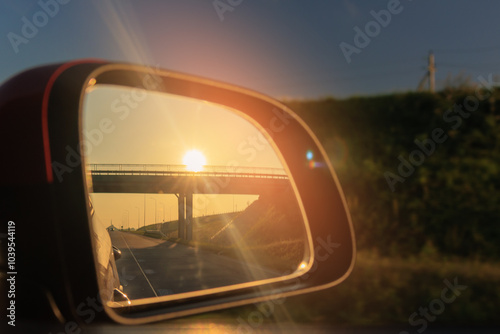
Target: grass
(385, 291)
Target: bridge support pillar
(185, 228)
(189, 217)
(181, 222)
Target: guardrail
(180, 170)
(154, 233)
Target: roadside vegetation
(441, 222)
(448, 203)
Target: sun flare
(194, 161)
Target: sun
(194, 161)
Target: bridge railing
(180, 170)
(137, 167)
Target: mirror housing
(40, 119)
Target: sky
(161, 128)
(285, 49)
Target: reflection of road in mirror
(152, 267)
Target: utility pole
(138, 222)
(432, 73)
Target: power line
(343, 78)
(469, 50)
(476, 67)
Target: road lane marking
(140, 268)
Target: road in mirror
(192, 193)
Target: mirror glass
(192, 193)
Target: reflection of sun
(194, 161)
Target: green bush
(450, 201)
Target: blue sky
(280, 48)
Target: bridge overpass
(175, 179)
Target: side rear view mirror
(117, 253)
(210, 195)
